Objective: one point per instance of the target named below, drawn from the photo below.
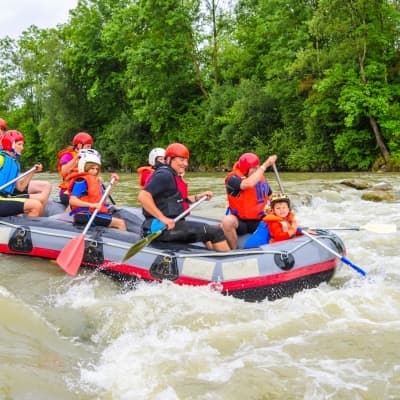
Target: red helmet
(247, 161)
(9, 138)
(3, 124)
(177, 150)
(83, 138)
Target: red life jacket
(94, 192)
(177, 202)
(65, 182)
(249, 204)
(144, 175)
(182, 187)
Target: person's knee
(119, 224)
(33, 208)
(229, 222)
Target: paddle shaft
(109, 196)
(136, 247)
(17, 178)
(278, 179)
(342, 258)
(187, 211)
(371, 227)
(102, 200)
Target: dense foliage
(314, 81)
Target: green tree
(356, 53)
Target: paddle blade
(70, 258)
(352, 265)
(136, 247)
(379, 228)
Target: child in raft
(279, 223)
(86, 190)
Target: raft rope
(248, 252)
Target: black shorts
(9, 207)
(247, 226)
(18, 193)
(190, 232)
(99, 219)
(64, 199)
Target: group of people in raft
(252, 206)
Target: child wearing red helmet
(68, 159)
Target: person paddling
(166, 196)
(68, 159)
(248, 193)
(14, 199)
(41, 188)
(86, 191)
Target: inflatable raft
(267, 272)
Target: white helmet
(88, 155)
(157, 152)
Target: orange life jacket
(144, 175)
(279, 227)
(94, 192)
(66, 177)
(249, 203)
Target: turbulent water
(88, 337)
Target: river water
(88, 337)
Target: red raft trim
(35, 252)
(247, 283)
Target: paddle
(370, 227)
(342, 258)
(278, 179)
(109, 196)
(17, 178)
(70, 257)
(136, 247)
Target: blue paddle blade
(352, 265)
(156, 225)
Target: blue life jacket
(9, 171)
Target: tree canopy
(314, 81)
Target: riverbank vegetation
(314, 81)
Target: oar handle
(335, 253)
(102, 200)
(17, 178)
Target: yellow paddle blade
(379, 228)
(136, 247)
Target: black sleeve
(162, 182)
(233, 185)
